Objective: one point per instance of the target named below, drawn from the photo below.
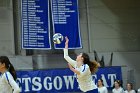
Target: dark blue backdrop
(35, 24)
(65, 18)
(62, 80)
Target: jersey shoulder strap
(7, 78)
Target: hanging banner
(35, 24)
(65, 19)
(62, 80)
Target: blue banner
(65, 18)
(61, 80)
(35, 24)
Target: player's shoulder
(7, 74)
(86, 65)
(105, 87)
(113, 90)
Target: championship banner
(62, 80)
(35, 24)
(65, 19)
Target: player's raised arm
(66, 42)
(66, 56)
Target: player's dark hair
(5, 60)
(130, 85)
(93, 65)
(101, 81)
(119, 82)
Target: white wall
(6, 28)
(21, 62)
(115, 25)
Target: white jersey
(132, 91)
(119, 90)
(139, 90)
(8, 84)
(85, 78)
(102, 89)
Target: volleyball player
(7, 77)
(83, 68)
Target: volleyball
(57, 38)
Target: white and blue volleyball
(57, 38)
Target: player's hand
(67, 40)
(72, 69)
